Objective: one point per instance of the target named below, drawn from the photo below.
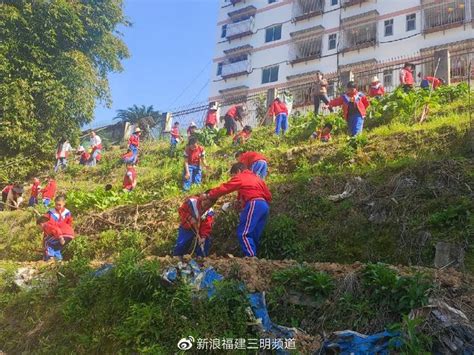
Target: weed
(400, 294)
(303, 279)
(411, 339)
(280, 239)
(209, 137)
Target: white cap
(375, 79)
(80, 149)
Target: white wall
(278, 51)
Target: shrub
(301, 127)
(399, 294)
(209, 137)
(280, 239)
(101, 199)
(305, 280)
(412, 340)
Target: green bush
(301, 127)
(100, 199)
(453, 217)
(399, 294)
(411, 337)
(209, 137)
(308, 281)
(280, 239)
(406, 107)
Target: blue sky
(171, 42)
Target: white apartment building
(264, 44)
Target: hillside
(408, 185)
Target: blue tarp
(105, 268)
(348, 342)
(259, 308)
(204, 280)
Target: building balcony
(231, 70)
(443, 16)
(360, 44)
(306, 45)
(240, 29)
(306, 9)
(349, 3)
(305, 58)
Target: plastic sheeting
(348, 342)
(105, 268)
(204, 280)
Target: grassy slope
(381, 222)
(415, 190)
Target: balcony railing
(305, 9)
(230, 70)
(442, 16)
(305, 50)
(240, 29)
(348, 3)
(360, 37)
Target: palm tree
(143, 116)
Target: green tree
(55, 56)
(146, 117)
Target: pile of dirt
(257, 273)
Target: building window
(388, 24)
(270, 75)
(273, 33)
(219, 68)
(333, 2)
(387, 78)
(359, 37)
(271, 1)
(224, 31)
(411, 22)
(331, 89)
(332, 41)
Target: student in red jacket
(35, 190)
(130, 178)
(57, 229)
(234, 114)
(323, 135)
(191, 129)
(406, 77)
(429, 82)
(255, 162)
(194, 158)
(354, 105)
(196, 221)
(134, 143)
(84, 157)
(376, 88)
(279, 112)
(254, 197)
(49, 191)
(211, 118)
(243, 136)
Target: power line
(190, 84)
(200, 91)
